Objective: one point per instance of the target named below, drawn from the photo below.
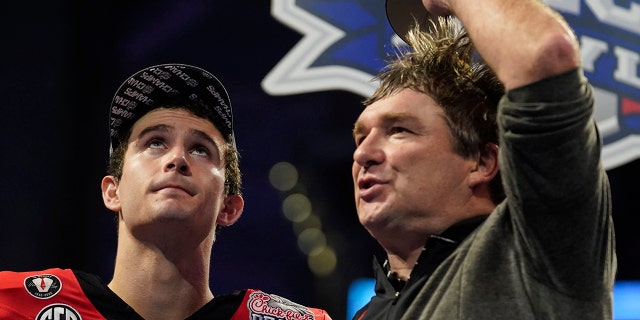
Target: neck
(403, 265)
(160, 283)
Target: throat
(397, 283)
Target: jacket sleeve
(558, 193)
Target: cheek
(442, 175)
(128, 189)
(216, 174)
(130, 175)
(134, 166)
(134, 176)
(213, 180)
(425, 171)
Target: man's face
(172, 182)
(407, 176)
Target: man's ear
(231, 211)
(486, 167)
(110, 197)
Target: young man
(460, 243)
(173, 179)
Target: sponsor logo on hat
(58, 311)
(345, 43)
(43, 286)
(151, 87)
(264, 306)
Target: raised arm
(521, 40)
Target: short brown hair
(442, 64)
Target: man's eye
(155, 144)
(200, 151)
(398, 130)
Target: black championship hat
(151, 87)
(402, 15)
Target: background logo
(346, 42)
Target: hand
(437, 7)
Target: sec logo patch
(58, 312)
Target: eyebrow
(158, 127)
(166, 128)
(385, 119)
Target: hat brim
(403, 14)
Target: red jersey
(65, 294)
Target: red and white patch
(43, 286)
(264, 306)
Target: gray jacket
(548, 250)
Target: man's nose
(369, 152)
(178, 161)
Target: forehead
(406, 105)
(177, 118)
